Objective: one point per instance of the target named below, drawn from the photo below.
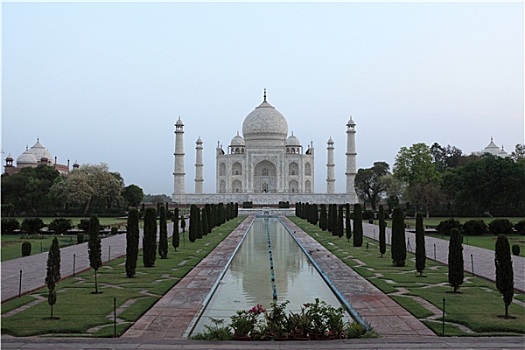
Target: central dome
(265, 123)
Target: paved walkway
(463, 343)
(481, 259)
(74, 259)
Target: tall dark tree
(348, 224)
(207, 210)
(323, 217)
(358, 226)
(175, 239)
(183, 223)
(340, 221)
(53, 273)
(163, 233)
(220, 214)
(192, 231)
(149, 242)
(132, 242)
(315, 214)
(199, 222)
(504, 271)
(94, 247)
(420, 244)
(382, 230)
(204, 221)
(455, 260)
(329, 218)
(398, 246)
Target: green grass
(434, 221)
(487, 241)
(12, 244)
(104, 221)
(478, 307)
(79, 310)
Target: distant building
(493, 149)
(33, 157)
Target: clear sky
(105, 82)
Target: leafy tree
(149, 242)
(323, 217)
(163, 234)
(445, 157)
(175, 239)
(348, 224)
(519, 227)
(398, 246)
(90, 185)
(60, 226)
(368, 183)
(519, 153)
(133, 195)
(192, 231)
(340, 221)
(358, 226)
(94, 247)
(53, 273)
(455, 260)
(382, 230)
(414, 166)
(504, 271)
(394, 190)
(420, 244)
(32, 225)
(9, 226)
(132, 242)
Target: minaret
(178, 173)
(330, 178)
(350, 157)
(198, 166)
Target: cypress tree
(132, 242)
(163, 234)
(94, 247)
(322, 217)
(198, 221)
(175, 239)
(53, 273)
(315, 214)
(358, 225)
(207, 210)
(348, 224)
(213, 216)
(420, 244)
(382, 231)
(236, 209)
(204, 221)
(183, 223)
(192, 231)
(221, 218)
(329, 218)
(340, 221)
(149, 242)
(504, 271)
(455, 259)
(398, 247)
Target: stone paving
(483, 258)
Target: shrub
(520, 227)
(83, 225)
(80, 238)
(9, 225)
(60, 226)
(368, 215)
(114, 230)
(398, 247)
(516, 249)
(32, 225)
(26, 249)
(247, 204)
(500, 226)
(445, 227)
(474, 228)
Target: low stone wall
(264, 198)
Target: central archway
(265, 177)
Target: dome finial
(264, 94)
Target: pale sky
(105, 82)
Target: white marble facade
(265, 165)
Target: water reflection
(248, 280)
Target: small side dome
(293, 141)
(179, 122)
(26, 159)
(9, 158)
(237, 141)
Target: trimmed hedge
(501, 226)
(26, 248)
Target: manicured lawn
(477, 306)
(85, 314)
(76, 220)
(12, 244)
(487, 241)
(433, 222)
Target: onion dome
(179, 122)
(26, 159)
(9, 158)
(293, 141)
(265, 123)
(39, 151)
(237, 141)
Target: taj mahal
(265, 165)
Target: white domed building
(265, 165)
